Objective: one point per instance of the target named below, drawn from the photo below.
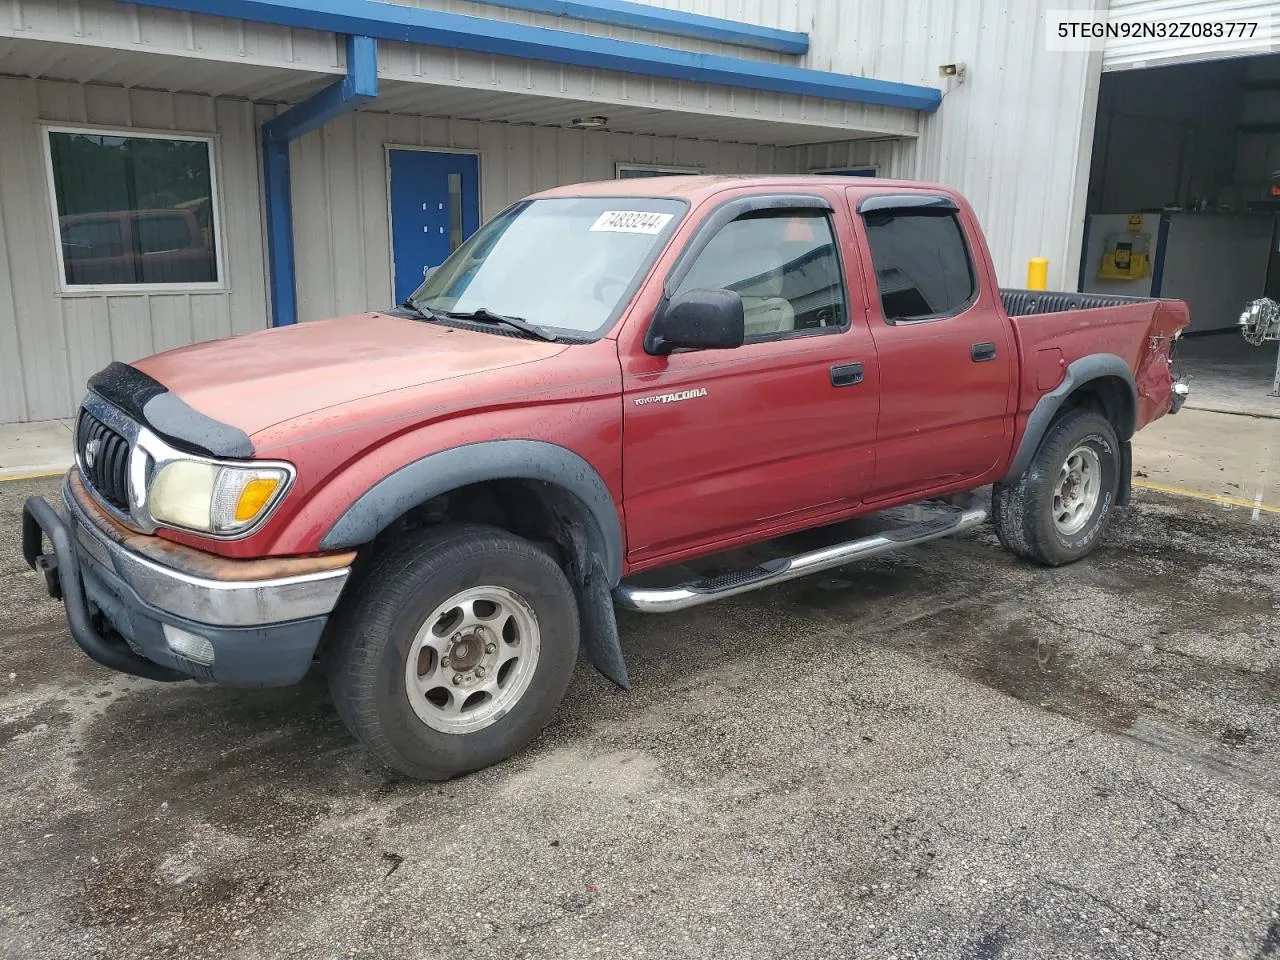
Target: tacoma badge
(672, 397)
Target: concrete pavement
(947, 753)
(1235, 459)
(34, 449)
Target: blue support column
(1162, 243)
(358, 87)
(281, 275)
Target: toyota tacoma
(439, 502)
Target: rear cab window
(923, 266)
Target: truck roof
(695, 188)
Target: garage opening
(1184, 192)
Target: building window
(630, 171)
(922, 264)
(134, 209)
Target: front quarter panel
(572, 401)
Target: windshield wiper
(485, 315)
(426, 313)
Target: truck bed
(1052, 328)
(1023, 303)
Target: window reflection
(134, 210)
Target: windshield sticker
(630, 221)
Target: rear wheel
(1057, 511)
(454, 650)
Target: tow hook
(1179, 395)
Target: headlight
(214, 498)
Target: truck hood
(254, 381)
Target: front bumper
(257, 632)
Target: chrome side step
(669, 599)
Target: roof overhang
(429, 81)
(417, 25)
(634, 15)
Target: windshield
(565, 263)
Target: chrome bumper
(218, 603)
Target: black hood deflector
(151, 403)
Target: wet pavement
(947, 753)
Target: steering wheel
(597, 292)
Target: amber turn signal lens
(254, 497)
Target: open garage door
(1184, 193)
(1125, 53)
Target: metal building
(177, 170)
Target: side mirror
(698, 320)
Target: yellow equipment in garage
(1127, 256)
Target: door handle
(846, 375)
(982, 351)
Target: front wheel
(454, 650)
(1057, 511)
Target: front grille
(104, 459)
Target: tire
(516, 603)
(1030, 518)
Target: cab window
(922, 264)
(785, 267)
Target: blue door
(435, 205)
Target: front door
(435, 206)
(723, 444)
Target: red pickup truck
(435, 502)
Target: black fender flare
(417, 482)
(1092, 367)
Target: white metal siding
(341, 225)
(696, 103)
(51, 342)
(211, 44)
(1125, 54)
(861, 37)
(1014, 137)
(783, 14)
(150, 29)
(894, 159)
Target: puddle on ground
(981, 621)
(1038, 671)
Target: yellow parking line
(1211, 497)
(37, 475)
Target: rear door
(946, 350)
(726, 443)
